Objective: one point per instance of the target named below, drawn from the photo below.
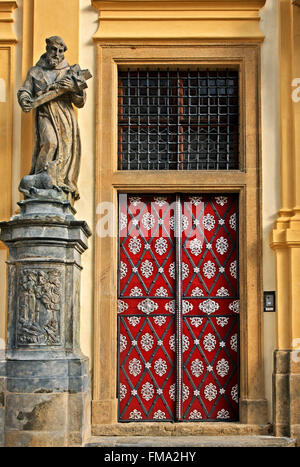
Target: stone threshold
(190, 441)
(182, 429)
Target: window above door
(178, 119)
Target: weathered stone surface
(295, 399)
(37, 368)
(281, 362)
(181, 429)
(79, 410)
(44, 380)
(53, 87)
(44, 280)
(2, 392)
(286, 394)
(46, 383)
(36, 412)
(281, 403)
(190, 441)
(35, 439)
(50, 408)
(254, 411)
(2, 425)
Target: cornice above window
(6, 21)
(176, 20)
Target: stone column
(47, 396)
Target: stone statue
(52, 86)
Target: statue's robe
(57, 136)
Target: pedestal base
(286, 394)
(254, 411)
(47, 402)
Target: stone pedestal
(286, 394)
(45, 376)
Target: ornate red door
(178, 308)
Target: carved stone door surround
(245, 182)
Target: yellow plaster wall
(270, 154)
(270, 93)
(86, 209)
(7, 76)
(85, 206)
(176, 19)
(41, 19)
(17, 115)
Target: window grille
(178, 120)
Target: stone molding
(245, 182)
(6, 21)
(177, 20)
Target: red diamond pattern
(148, 363)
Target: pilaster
(7, 46)
(286, 381)
(285, 238)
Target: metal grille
(178, 120)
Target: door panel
(209, 358)
(178, 336)
(147, 363)
(146, 246)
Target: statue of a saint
(53, 86)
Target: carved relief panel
(39, 307)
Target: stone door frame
(246, 182)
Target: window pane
(178, 120)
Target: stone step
(190, 441)
(182, 429)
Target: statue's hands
(27, 104)
(67, 83)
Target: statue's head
(55, 50)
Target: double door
(178, 307)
